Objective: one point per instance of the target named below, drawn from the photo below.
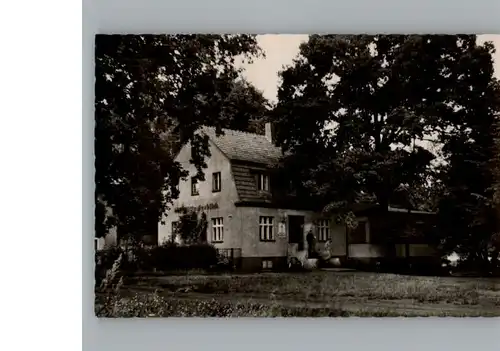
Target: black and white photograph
(241, 175)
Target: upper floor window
(216, 182)
(195, 186)
(324, 230)
(263, 182)
(266, 232)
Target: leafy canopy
(365, 106)
(152, 93)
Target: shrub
(166, 257)
(173, 257)
(104, 261)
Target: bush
(224, 264)
(175, 257)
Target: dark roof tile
(248, 153)
(243, 146)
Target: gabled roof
(243, 146)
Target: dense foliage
(191, 227)
(400, 120)
(152, 93)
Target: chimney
(270, 132)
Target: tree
(365, 106)
(152, 93)
(467, 210)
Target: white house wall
(224, 199)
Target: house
(252, 217)
(249, 216)
(245, 209)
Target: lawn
(318, 293)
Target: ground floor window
(266, 232)
(267, 264)
(263, 182)
(217, 230)
(324, 230)
(359, 235)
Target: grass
(320, 293)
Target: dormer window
(263, 182)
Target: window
(359, 235)
(324, 230)
(267, 264)
(96, 244)
(266, 229)
(216, 182)
(195, 186)
(217, 230)
(263, 182)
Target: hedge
(166, 257)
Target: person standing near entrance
(311, 243)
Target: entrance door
(296, 231)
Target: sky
(281, 50)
